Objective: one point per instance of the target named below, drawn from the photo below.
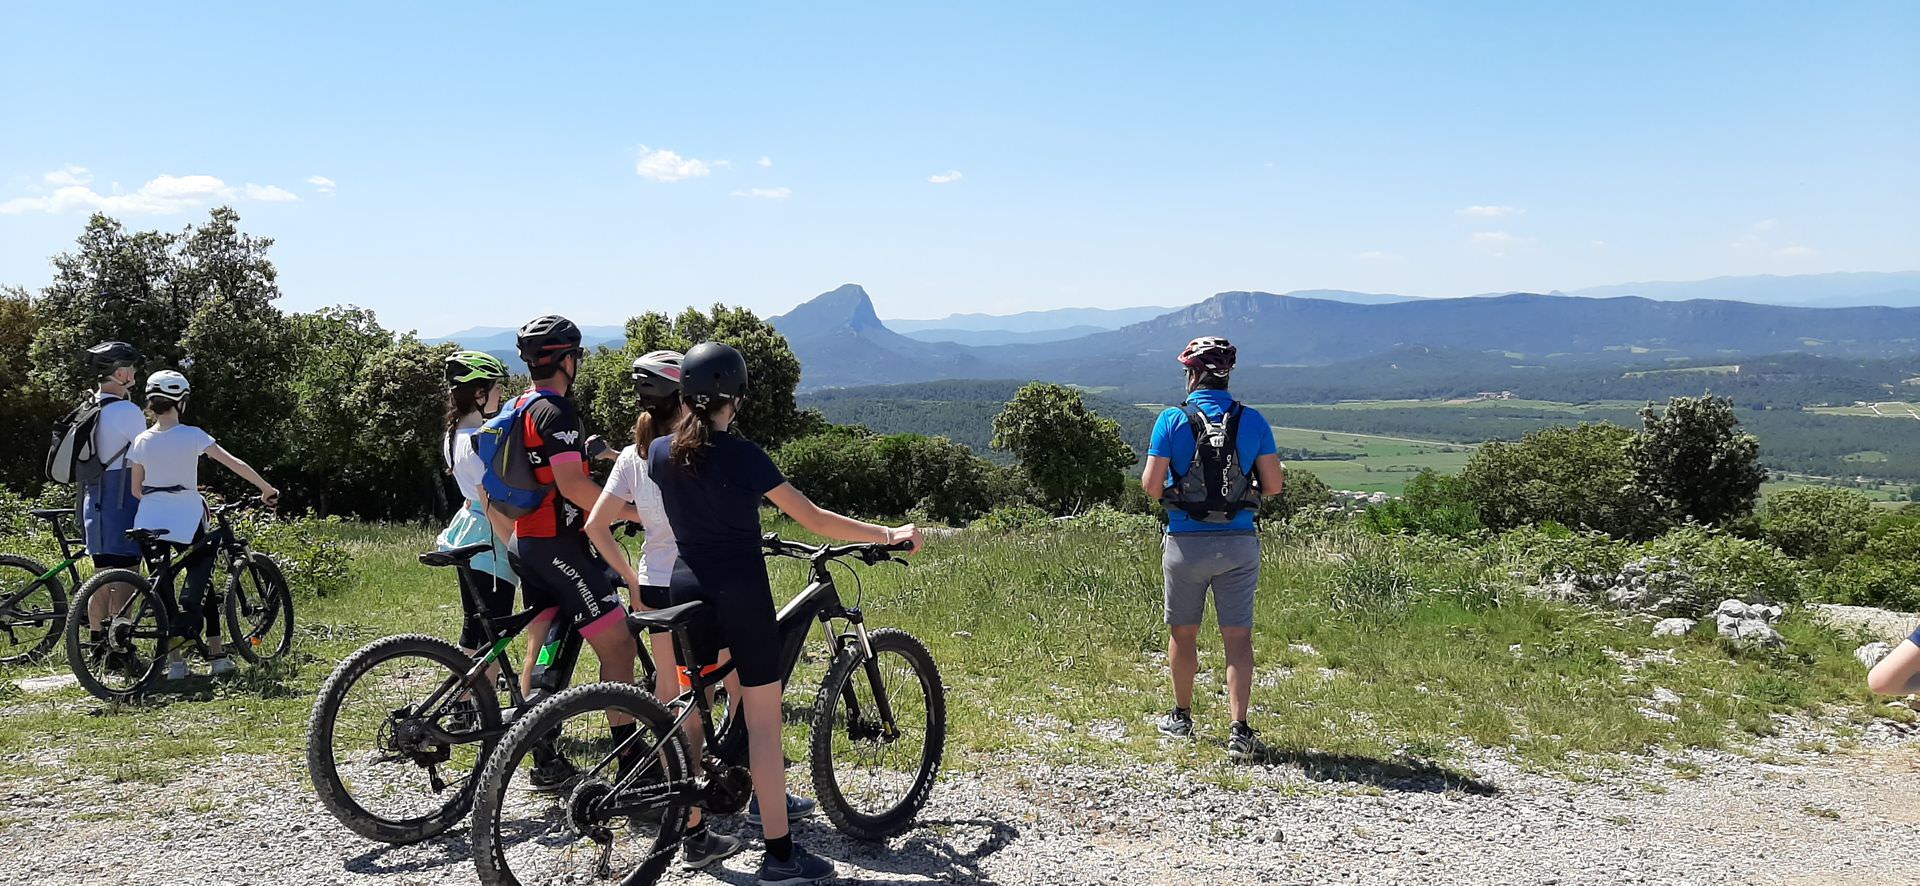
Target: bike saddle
(456, 557)
(688, 613)
(52, 513)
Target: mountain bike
(403, 725)
(136, 632)
(878, 732)
(33, 600)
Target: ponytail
(690, 437)
(462, 399)
(655, 421)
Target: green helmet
(466, 366)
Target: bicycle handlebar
(870, 553)
(237, 504)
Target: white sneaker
(221, 665)
(177, 670)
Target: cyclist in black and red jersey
(558, 566)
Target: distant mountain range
(1896, 289)
(501, 338)
(841, 341)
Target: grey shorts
(1229, 564)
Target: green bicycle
(33, 599)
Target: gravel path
(1802, 816)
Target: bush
(313, 562)
(1549, 551)
(1817, 523)
(854, 470)
(1575, 476)
(1013, 518)
(1434, 504)
(1303, 494)
(1885, 572)
(1115, 522)
(1713, 566)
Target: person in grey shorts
(1210, 462)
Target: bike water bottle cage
(1216, 487)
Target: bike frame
(820, 601)
(74, 550)
(164, 565)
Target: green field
(1887, 409)
(1383, 464)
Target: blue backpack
(501, 444)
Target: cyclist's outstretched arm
(820, 521)
(609, 510)
(246, 472)
(1899, 672)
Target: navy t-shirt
(715, 509)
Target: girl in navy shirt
(712, 483)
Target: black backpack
(73, 457)
(1216, 487)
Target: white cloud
(270, 193)
(764, 162)
(321, 183)
(1489, 211)
(1795, 251)
(666, 166)
(1599, 244)
(68, 175)
(1492, 237)
(162, 195)
(723, 164)
(1766, 224)
(781, 193)
(948, 177)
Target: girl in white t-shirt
(165, 460)
(475, 382)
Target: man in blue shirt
(1210, 541)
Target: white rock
(1871, 654)
(1673, 627)
(1664, 697)
(1732, 608)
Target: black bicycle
(402, 726)
(878, 732)
(137, 627)
(33, 600)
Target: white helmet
(169, 384)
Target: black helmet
(656, 374)
(108, 356)
(713, 373)
(547, 340)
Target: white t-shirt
(170, 457)
(120, 422)
(658, 553)
(468, 469)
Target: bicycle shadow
(924, 855)
(412, 859)
(1405, 776)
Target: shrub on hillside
(1579, 476)
(1714, 566)
(1694, 458)
(1013, 518)
(313, 562)
(1303, 494)
(1434, 504)
(1885, 572)
(1103, 518)
(1817, 523)
(854, 470)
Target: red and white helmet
(1211, 354)
(656, 374)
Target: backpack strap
(1197, 425)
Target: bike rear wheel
(371, 751)
(873, 773)
(133, 642)
(525, 835)
(259, 609)
(33, 610)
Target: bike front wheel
(132, 644)
(879, 731)
(600, 824)
(259, 609)
(33, 610)
(392, 744)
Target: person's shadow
(1397, 774)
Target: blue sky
(473, 164)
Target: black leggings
(197, 602)
(493, 593)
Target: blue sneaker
(803, 868)
(797, 808)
